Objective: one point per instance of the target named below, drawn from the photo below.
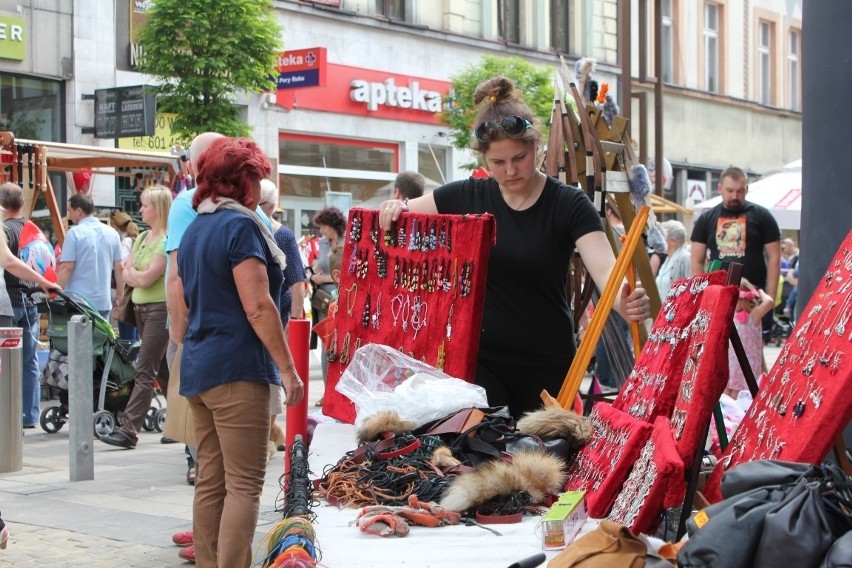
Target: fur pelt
(442, 458)
(386, 421)
(536, 473)
(583, 70)
(610, 108)
(554, 422)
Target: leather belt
(484, 519)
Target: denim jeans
(127, 331)
(28, 319)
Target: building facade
(729, 73)
(732, 91)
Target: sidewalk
(127, 514)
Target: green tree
(534, 81)
(203, 53)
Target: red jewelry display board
(648, 488)
(605, 461)
(705, 373)
(678, 378)
(804, 402)
(418, 287)
(652, 387)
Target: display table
(343, 545)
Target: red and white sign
(367, 92)
(301, 68)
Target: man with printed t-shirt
(739, 231)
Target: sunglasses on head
(511, 125)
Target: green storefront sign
(13, 38)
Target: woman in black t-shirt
(526, 343)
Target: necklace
(529, 194)
(351, 294)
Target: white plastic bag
(380, 378)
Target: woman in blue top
(526, 342)
(229, 279)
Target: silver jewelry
(378, 312)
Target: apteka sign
(389, 93)
(301, 68)
(371, 93)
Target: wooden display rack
(29, 163)
(582, 148)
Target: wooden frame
(57, 157)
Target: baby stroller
(112, 365)
(782, 327)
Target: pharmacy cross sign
(301, 68)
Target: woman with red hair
(230, 276)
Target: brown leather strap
(400, 451)
(484, 519)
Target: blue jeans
(127, 331)
(28, 319)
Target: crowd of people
(215, 270)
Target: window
(318, 152)
(668, 41)
(432, 162)
(711, 47)
(560, 11)
(793, 70)
(314, 165)
(314, 187)
(391, 9)
(509, 14)
(764, 51)
(31, 107)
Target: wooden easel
(583, 356)
(576, 155)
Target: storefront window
(310, 151)
(31, 108)
(432, 162)
(315, 186)
(311, 166)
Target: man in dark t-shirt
(739, 231)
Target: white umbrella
(780, 192)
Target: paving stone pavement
(125, 516)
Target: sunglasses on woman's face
(511, 125)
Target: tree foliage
(534, 81)
(203, 53)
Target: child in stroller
(112, 365)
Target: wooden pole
(584, 354)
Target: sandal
(318, 403)
(190, 475)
